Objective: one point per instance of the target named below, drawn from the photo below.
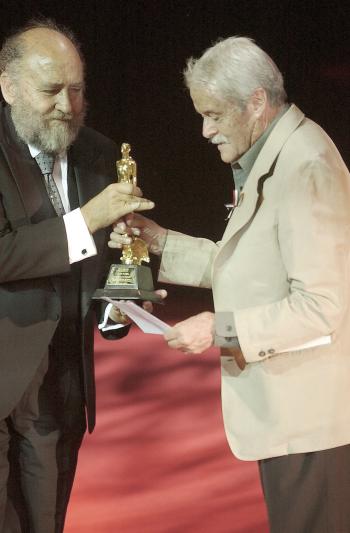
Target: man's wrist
(113, 319)
(157, 246)
(89, 218)
(115, 315)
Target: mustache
(218, 139)
(59, 115)
(69, 117)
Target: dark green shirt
(241, 168)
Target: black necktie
(46, 163)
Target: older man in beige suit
(280, 281)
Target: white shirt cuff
(81, 245)
(106, 324)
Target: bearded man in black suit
(51, 261)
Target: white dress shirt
(81, 244)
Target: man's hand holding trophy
(130, 279)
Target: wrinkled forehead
(207, 101)
(47, 52)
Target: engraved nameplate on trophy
(129, 279)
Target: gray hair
(233, 68)
(14, 47)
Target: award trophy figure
(130, 279)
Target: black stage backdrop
(135, 52)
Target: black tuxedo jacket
(34, 258)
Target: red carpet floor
(158, 461)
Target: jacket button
(262, 353)
(271, 351)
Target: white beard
(46, 134)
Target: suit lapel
(83, 168)
(25, 173)
(86, 166)
(263, 166)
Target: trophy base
(119, 294)
(128, 282)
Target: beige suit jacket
(282, 270)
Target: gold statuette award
(129, 279)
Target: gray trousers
(39, 445)
(308, 492)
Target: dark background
(135, 52)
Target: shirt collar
(34, 151)
(247, 160)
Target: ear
(257, 103)
(7, 88)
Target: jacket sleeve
(32, 250)
(187, 260)
(314, 240)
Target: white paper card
(145, 320)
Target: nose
(209, 128)
(63, 102)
